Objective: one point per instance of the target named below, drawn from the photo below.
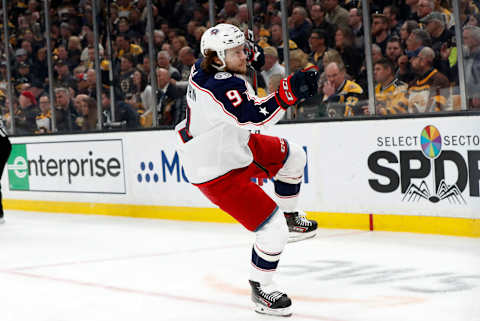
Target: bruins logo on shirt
(222, 75)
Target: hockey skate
(270, 301)
(299, 227)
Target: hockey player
(220, 155)
(5, 149)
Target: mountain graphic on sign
(450, 192)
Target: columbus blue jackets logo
(214, 31)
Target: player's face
(236, 60)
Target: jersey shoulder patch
(222, 75)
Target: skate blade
(285, 312)
(296, 237)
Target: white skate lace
(272, 297)
(302, 221)
(270, 292)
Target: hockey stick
(251, 43)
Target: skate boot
(299, 227)
(270, 301)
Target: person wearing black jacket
(25, 119)
(125, 115)
(6, 148)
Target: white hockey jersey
(222, 109)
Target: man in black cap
(64, 78)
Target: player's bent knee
(273, 236)
(292, 170)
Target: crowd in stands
(414, 56)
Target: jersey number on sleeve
(234, 97)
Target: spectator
(190, 35)
(230, 10)
(183, 12)
(64, 78)
(394, 50)
(44, 118)
(317, 15)
(344, 45)
(276, 40)
(274, 83)
(335, 14)
(471, 39)
(300, 28)
(170, 99)
(124, 46)
(390, 93)
(142, 98)
(65, 113)
(380, 29)
(376, 53)
(298, 60)
(449, 20)
(63, 55)
(21, 56)
(125, 114)
(429, 91)
(40, 72)
(177, 43)
(474, 20)
(27, 46)
(91, 79)
(413, 6)
(416, 41)
(65, 33)
(125, 76)
(23, 74)
(434, 23)
(271, 66)
(330, 56)
(37, 89)
(87, 121)
(158, 39)
(242, 16)
(123, 26)
(425, 7)
(318, 44)
(74, 51)
(341, 96)
(25, 119)
(77, 102)
(355, 22)
(406, 30)
(163, 61)
(186, 56)
(394, 23)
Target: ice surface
(60, 267)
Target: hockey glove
(255, 56)
(302, 84)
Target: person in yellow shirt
(390, 92)
(342, 97)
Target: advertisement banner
(73, 166)
(420, 167)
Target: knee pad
(292, 170)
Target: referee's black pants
(5, 149)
